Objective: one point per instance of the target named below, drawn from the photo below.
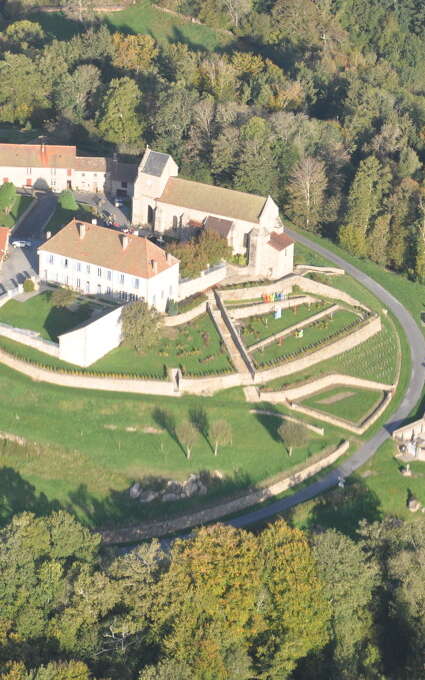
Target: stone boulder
(414, 505)
(135, 490)
(169, 497)
(174, 487)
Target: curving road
(416, 341)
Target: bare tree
(293, 435)
(221, 434)
(307, 187)
(188, 435)
(237, 9)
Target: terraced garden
(257, 328)
(318, 333)
(349, 403)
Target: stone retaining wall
(250, 292)
(235, 335)
(345, 424)
(162, 528)
(408, 432)
(291, 329)
(330, 380)
(335, 271)
(179, 319)
(346, 343)
(30, 339)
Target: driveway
(413, 393)
(22, 263)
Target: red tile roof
(104, 248)
(37, 155)
(279, 241)
(4, 240)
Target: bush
(172, 308)
(28, 286)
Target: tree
(350, 577)
(420, 244)
(188, 435)
(237, 9)
(75, 92)
(23, 34)
(7, 197)
(307, 186)
(294, 607)
(119, 119)
(67, 200)
(207, 249)
(63, 297)
(256, 172)
(140, 325)
(377, 240)
(18, 104)
(293, 435)
(364, 201)
(134, 52)
(221, 434)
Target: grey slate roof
(220, 226)
(155, 163)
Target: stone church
(250, 223)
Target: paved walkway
(234, 353)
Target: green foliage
(221, 434)
(293, 435)
(140, 325)
(28, 286)
(63, 297)
(196, 255)
(119, 117)
(188, 435)
(7, 197)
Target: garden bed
(257, 328)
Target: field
(142, 18)
(91, 446)
(39, 314)
(19, 207)
(257, 328)
(346, 402)
(318, 332)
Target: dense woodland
(224, 604)
(320, 103)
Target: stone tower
(154, 171)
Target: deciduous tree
(307, 186)
(221, 434)
(120, 121)
(188, 435)
(293, 435)
(140, 325)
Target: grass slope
(19, 207)
(350, 403)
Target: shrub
(28, 286)
(67, 200)
(7, 196)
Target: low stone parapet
(30, 339)
(268, 307)
(311, 387)
(185, 317)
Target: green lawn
(13, 135)
(318, 332)
(350, 403)
(195, 347)
(257, 328)
(62, 216)
(141, 18)
(165, 28)
(19, 207)
(91, 446)
(38, 314)
(377, 489)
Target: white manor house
(161, 202)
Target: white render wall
(86, 345)
(54, 178)
(93, 280)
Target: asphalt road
(416, 341)
(31, 226)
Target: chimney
(81, 229)
(43, 147)
(124, 241)
(48, 234)
(94, 220)
(154, 265)
(168, 257)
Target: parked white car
(23, 243)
